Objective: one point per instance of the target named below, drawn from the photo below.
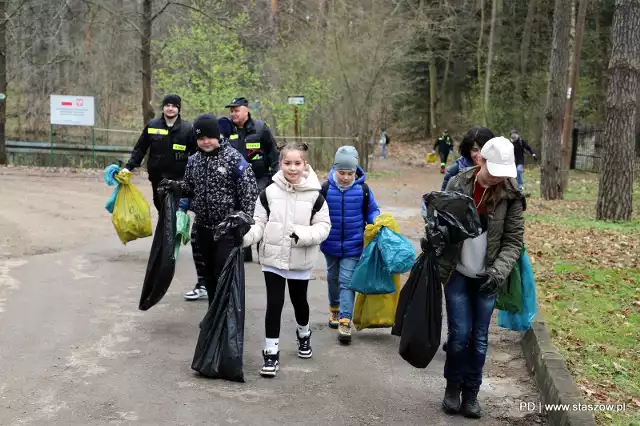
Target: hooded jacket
(290, 213)
(505, 228)
(347, 217)
(219, 182)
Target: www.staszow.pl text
(538, 406)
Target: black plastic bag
(450, 218)
(220, 343)
(419, 313)
(162, 260)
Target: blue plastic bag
(370, 275)
(521, 321)
(110, 178)
(398, 255)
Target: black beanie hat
(173, 100)
(206, 125)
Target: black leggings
(275, 302)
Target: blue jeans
(468, 316)
(383, 151)
(339, 272)
(520, 168)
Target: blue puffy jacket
(346, 238)
(461, 163)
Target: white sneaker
(198, 292)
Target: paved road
(74, 350)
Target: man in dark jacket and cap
(520, 146)
(254, 141)
(170, 141)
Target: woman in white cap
(473, 272)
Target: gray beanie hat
(346, 158)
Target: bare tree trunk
(145, 51)
(487, 81)
(3, 79)
(443, 88)
(480, 38)
(433, 92)
(551, 171)
(574, 73)
(615, 193)
(274, 21)
(524, 56)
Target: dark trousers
(209, 257)
(275, 302)
(444, 155)
(468, 317)
(157, 200)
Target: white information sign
(296, 100)
(72, 110)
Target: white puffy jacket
(290, 212)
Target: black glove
(234, 227)
(489, 283)
(173, 186)
(295, 237)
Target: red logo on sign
(67, 103)
(79, 102)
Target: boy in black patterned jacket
(219, 181)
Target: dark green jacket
(505, 228)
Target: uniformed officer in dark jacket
(170, 142)
(444, 144)
(254, 141)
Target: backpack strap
(239, 171)
(264, 201)
(317, 206)
(365, 201)
(324, 189)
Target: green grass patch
(592, 312)
(594, 318)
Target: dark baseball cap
(236, 102)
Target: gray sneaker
(198, 292)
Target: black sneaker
(304, 345)
(271, 364)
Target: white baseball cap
(501, 161)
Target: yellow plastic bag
(131, 213)
(377, 310)
(432, 157)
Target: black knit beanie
(173, 100)
(206, 125)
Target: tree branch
(106, 9)
(161, 11)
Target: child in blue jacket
(351, 208)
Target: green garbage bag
(509, 298)
(183, 223)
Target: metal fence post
(93, 145)
(51, 143)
